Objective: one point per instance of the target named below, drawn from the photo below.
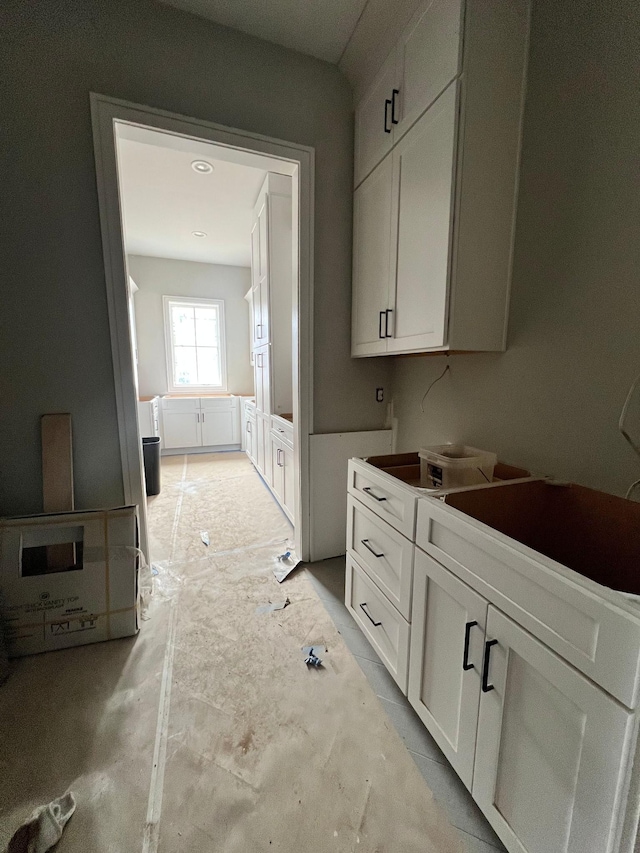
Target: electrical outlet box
(379, 395)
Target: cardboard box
(94, 599)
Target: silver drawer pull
(370, 618)
(365, 542)
(369, 491)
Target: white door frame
(298, 160)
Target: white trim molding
(218, 304)
(286, 157)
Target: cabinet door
(428, 58)
(371, 261)
(263, 286)
(181, 429)
(146, 421)
(249, 428)
(423, 173)
(447, 641)
(289, 501)
(551, 748)
(277, 468)
(218, 428)
(373, 126)
(263, 452)
(262, 374)
(261, 462)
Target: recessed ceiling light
(202, 166)
(199, 233)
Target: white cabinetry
(282, 469)
(262, 378)
(220, 421)
(551, 760)
(373, 127)
(402, 219)
(193, 422)
(447, 643)
(524, 672)
(269, 443)
(434, 205)
(422, 64)
(181, 423)
(251, 430)
(148, 417)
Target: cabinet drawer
(385, 554)
(176, 404)
(218, 404)
(380, 622)
(552, 602)
(283, 429)
(387, 498)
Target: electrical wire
(625, 434)
(623, 415)
(446, 370)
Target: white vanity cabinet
(447, 646)
(435, 191)
(200, 422)
(552, 749)
(526, 673)
(181, 423)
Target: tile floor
(328, 579)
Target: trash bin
(151, 457)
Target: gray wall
(54, 337)
(552, 401)
(158, 277)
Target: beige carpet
(207, 732)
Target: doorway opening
(207, 245)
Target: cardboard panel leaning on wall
(54, 342)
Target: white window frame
(168, 301)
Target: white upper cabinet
(371, 261)
(427, 60)
(434, 205)
(423, 164)
(374, 128)
(424, 61)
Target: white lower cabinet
(282, 473)
(200, 422)
(263, 452)
(447, 641)
(547, 751)
(541, 747)
(181, 423)
(550, 763)
(380, 622)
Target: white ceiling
(164, 200)
(321, 28)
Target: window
(194, 330)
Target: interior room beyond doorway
(208, 237)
